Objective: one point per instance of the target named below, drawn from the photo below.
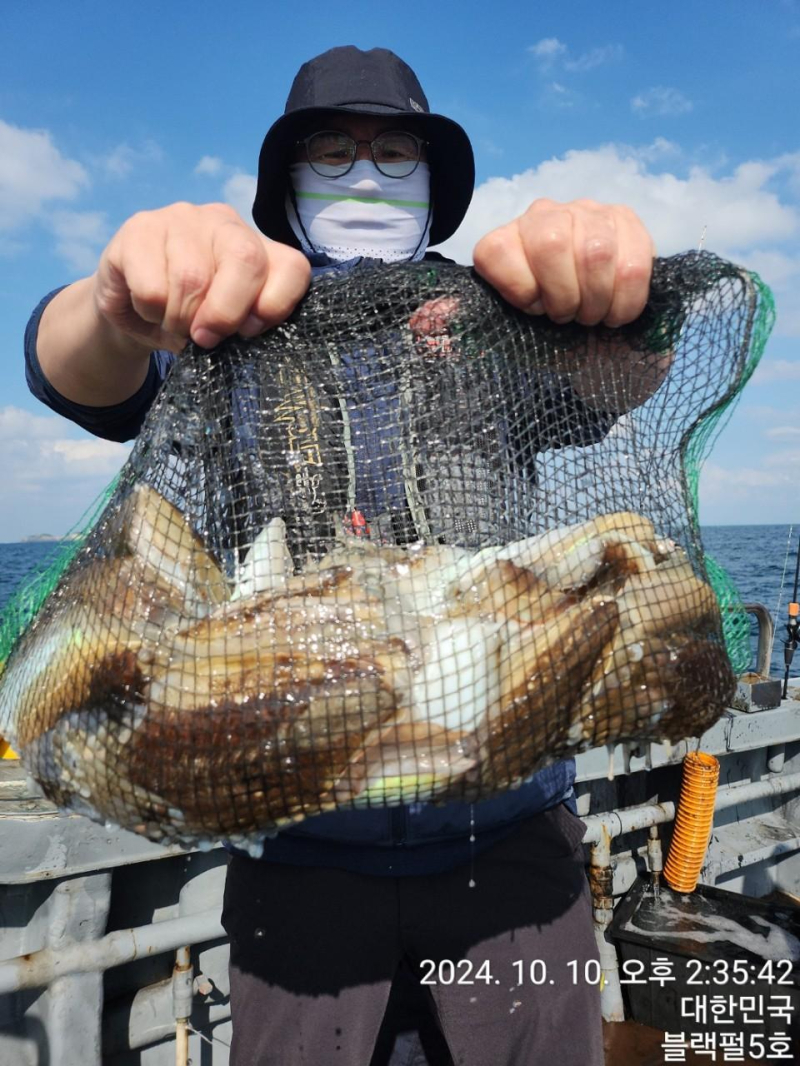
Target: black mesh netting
(405, 547)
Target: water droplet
(471, 883)
(259, 934)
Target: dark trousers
(314, 953)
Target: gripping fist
(196, 271)
(580, 261)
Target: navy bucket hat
(376, 82)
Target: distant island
(40, 538)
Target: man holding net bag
(356, 168)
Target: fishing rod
(792, 626)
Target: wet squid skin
(154, 692)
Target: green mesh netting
(736, 628)
(412, 545)
(24, 604)
(735, 620)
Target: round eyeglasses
(331, 154)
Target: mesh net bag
(406, 547)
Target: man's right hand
(196, 271)
(182, 271)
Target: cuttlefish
(158, 692)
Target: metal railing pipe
(146, 1017)
(766, 636)
(41, 967)
(617, 823)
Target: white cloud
(762, 413)
(36, 447)
(557, 95)
(15, 422)
(777, 268)
(730, 495)
(740, 478)
(595, 57)
(783, 433)
(490, 148)
(50, 478)
(781, 271)
(783, 460)
(659, 101)
(791, 161)
(120, 161)
(87, 226)
(239, 191)
(9, 247)
(721, 484)
(91, 456)
(770, 370)
(739, 209)
(547, 49)
(33, 172)
(37, 181)
(80, 237)
(238, 188)
(209, 164)
(658, 149)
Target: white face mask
(363, 213)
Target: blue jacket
(412, 839)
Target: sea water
(755, 558)
(19, 562)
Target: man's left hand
(582, 261)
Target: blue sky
(686, 111)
